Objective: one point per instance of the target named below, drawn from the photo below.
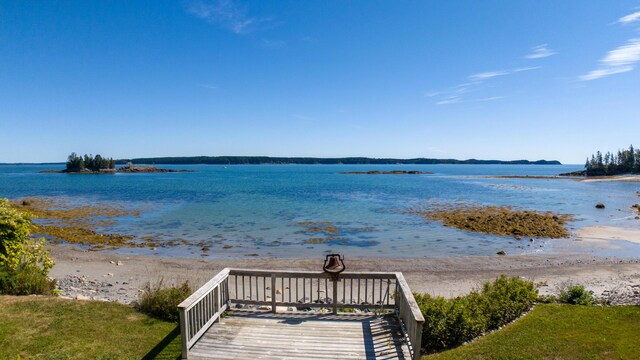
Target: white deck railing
(204, 307)
(270, 289)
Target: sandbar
(600, 233)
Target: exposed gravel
(97, 275)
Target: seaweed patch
(62, 219)
(500, 220)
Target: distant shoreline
(267, 160)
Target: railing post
(273, 293)
(184, 336)
(335, 296)
(227, 297)
(217, 301)
(417, 340)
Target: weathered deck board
(265, 335)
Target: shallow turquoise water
(257, 208)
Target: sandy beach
(627, 178)
(606, 234)
(113, 277)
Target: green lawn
(50, 328)
(560, 332)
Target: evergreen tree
(77, 163)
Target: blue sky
(443, 79)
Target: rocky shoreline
(107, 276)
(148, 169)
(575, 176)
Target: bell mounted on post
(334, 265)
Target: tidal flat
(309, 210)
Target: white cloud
(226, 13)
(491, 74)
(600, 73)
(628, 19)
(491, 98)
(624, 55)
(448, 100)
(617, 61)
(540, 51)
(526, 68)
(454, 99)
(460, 92)
(488, 75)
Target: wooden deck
(265, 335)
(326, 328)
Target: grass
(51, 328)
(560, 332)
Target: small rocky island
(129, 168)
(393, 172)
(88, 164)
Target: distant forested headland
(258, 160)
(623, 162)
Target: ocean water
(238, 211)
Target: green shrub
(577, 295)
(161, 301)
(452, 322)
(16, 247)
(24, 263)
(25, 280)
(506, 299)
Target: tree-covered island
(88, 164)
(623, 162)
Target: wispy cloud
(491, 74)
(488, 75)
(460, 93)
(491, 98)
(448, 100)
(540, 51)
(619, 60)
(628, 19)
(227, 14)
(526, 68)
